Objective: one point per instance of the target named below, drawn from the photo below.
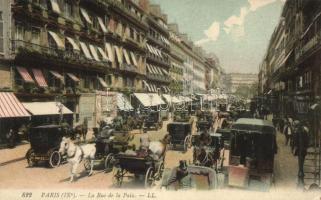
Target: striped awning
(85, 15)
(73, 77)
(58, 76)
(10, 106)
(25, 75)
(40, 79)
(102, 82)
(102, 25)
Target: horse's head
(64, 145)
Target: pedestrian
(10, 138)
(287, 131)
(302, 144)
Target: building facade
(236, 80)
(72, 49)
(290, 72)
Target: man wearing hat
(182, 176)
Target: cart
(253, 146)
(180, 133)
(151, 169)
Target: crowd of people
(297, 137)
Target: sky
(237, 31)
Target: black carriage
(108, 144)
(180, 133)
(45, 142)
(154, 120)
(205, 121)
(207, 149)
(204, 178)
(253, 146)
(146, 166)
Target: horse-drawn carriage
(108, 144)
(153, 119)
(207, 149)
(205, 121)
(45, 141)
(253, 146)
(180, 133)
(146, 166)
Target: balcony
(158, 60)
(123, 10)
(310, 40)
(129, 68)
(158, 78)
(30, 51)
(158, 42)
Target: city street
(15, 173)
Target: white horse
(76, 153)
(157, 148)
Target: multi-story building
(72, 49)
(177, 60)
(158, 61)
(294, 80)
(236, 80)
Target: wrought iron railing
(72, 56)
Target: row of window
(107, 53)
(104, 23)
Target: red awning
(10, 106)
(25, 74)
(73, 77)
(58, 76)
(40, 79)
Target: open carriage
(133, 165)
(180, 133)
(45, 141)
(253, 146)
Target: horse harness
(74, 154)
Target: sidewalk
(15, 154)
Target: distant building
(236, 80)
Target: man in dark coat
(301, 146)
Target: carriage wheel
(118, 176)
(30, 158)
(149, 177)
(109, 163)
(55, 159)
(160, 170)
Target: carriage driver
(182, 176)
(205, 138)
